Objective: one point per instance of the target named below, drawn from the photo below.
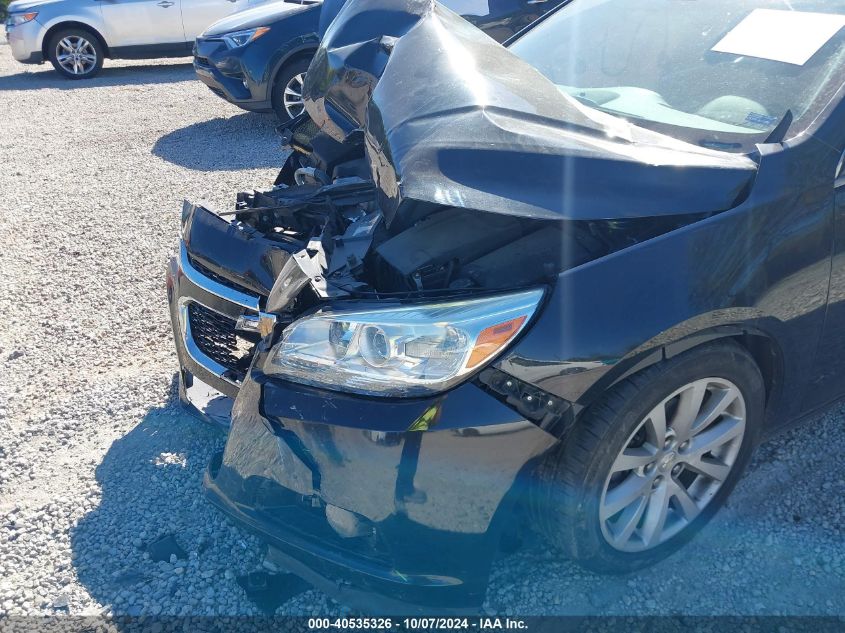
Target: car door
(137, 28)
(828, 376)
(197, 15)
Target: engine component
(535, 257)
(426, 255)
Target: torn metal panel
(236, 252)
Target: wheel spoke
(689, 406)
(65, 44)
(687, 505)
(656, 425)
(716, 406)
(716, 435)
(655, 516)
(633, 458)
(624, 527)
(709, 467)
(623, 495)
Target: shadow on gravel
(108, 77)
(243, 141)
(151, 486)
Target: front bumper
(216, 289)
(25, 42)
(382, 517)
(189, 289)
(224, 72)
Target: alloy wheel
(672, 465)
(293, 96)
(76, 55)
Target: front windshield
(719, 73)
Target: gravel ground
(96, 458)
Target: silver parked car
(76, 35)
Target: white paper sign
(783, 36)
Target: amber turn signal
(492, 339)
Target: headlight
(239, 38)
(405, 350)
(16, 19)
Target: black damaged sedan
(561, 288)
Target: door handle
(165, 4)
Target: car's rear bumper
(421, 488)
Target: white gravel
(96, 457)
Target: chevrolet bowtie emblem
(263, 323)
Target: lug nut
(684, 446)
(649, 468)
(657, 481)
(677, 469)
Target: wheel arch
(306, 51)
(70, 24)
(761, 344)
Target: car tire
(289, 80)
(75, 53)
(576, 494)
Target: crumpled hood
(451, 117)
(264, 15)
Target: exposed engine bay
(324, 211)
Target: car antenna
(779, 131)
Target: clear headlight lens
(16, 19)
(239, 38)
(406, 350)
